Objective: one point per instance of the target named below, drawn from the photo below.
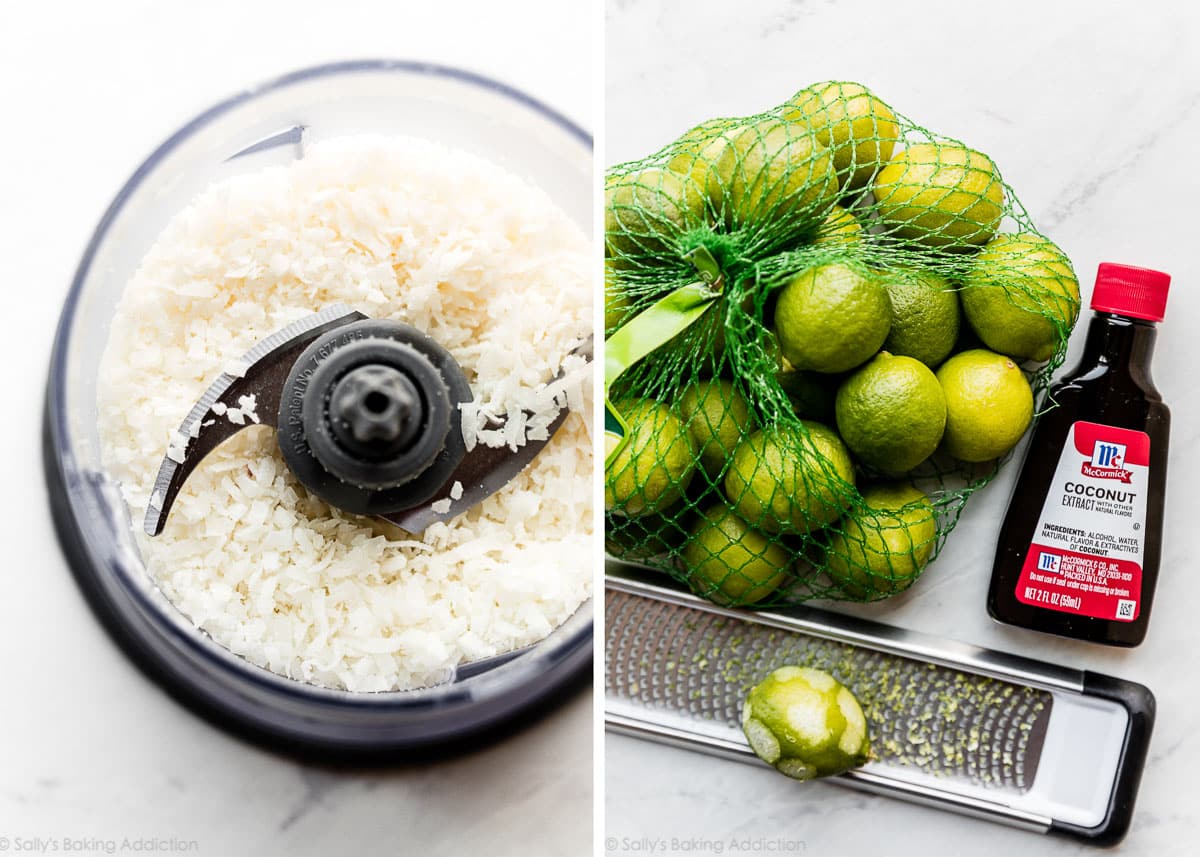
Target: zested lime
(806, 724)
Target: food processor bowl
(263, 126)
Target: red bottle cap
(1135, 292)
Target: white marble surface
(1093, 116)
(88, 747)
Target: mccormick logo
(1107, 462)
(1048, 562)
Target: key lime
(616, 302)
(925, 316)
(767, 172)
(882, 546)
(730, 563)
(989, 405)
(646, 212)
(811, 393)
(832, 318)
(643, 537)
(840, 227)
(940, 195)
(655, 466)
(698, 136)
(717, 417)
(891, 413)
(1021, 296)
(856, 126)
(787, 482)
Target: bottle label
(1086, 557)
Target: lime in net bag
(825, 329)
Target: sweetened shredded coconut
(401, 229)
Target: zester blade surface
(691, 669)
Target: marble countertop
(91, 751)
(1093, 118)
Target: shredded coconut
(402, 229)
(247, 405)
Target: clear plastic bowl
(262, 126)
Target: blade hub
(369, 419)
(376, 411)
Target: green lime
(924, 315)
(940, 195)
(806, 724)
(883, 545)
(698, 152)
(891, 413)
(646, 212)
(717, 417)
(840, 227)
(654, 467)
(790, 482)
(832, 318)
(1021, 296)
(989, 405)
(767, 172)
(730, 563)
(857, 127)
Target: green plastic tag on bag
(615, 428)
(648, 330)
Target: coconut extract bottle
(1079, 549)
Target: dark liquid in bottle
(1087, 504)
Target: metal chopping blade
(263, 373)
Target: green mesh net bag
(826, 328)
